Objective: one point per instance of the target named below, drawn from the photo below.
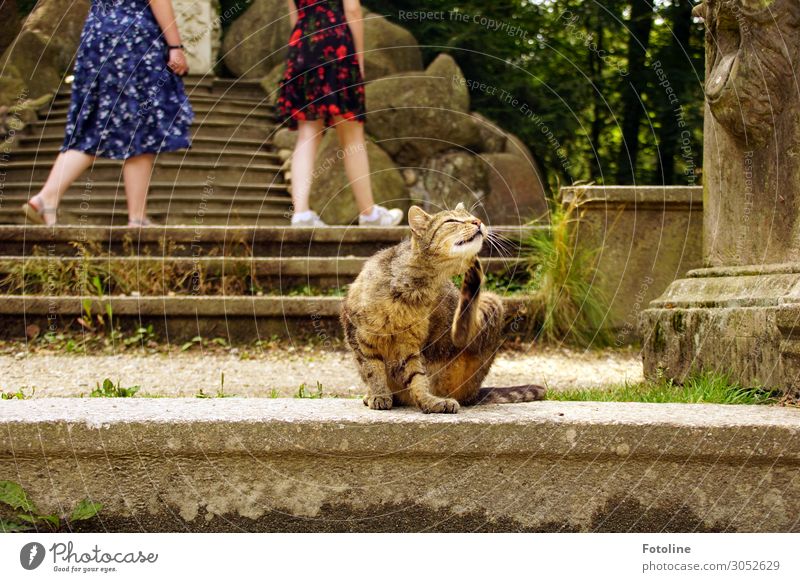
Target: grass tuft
(707, 388)
(566, 301)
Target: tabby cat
(416, 339)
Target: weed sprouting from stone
(110, 390)
(26, 517)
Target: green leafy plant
(196, 340)
(18, 395)
(110, 390)
(27, 517)
(565, 299)
(142, 335)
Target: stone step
(195, 85)
(201, 128)
(63, 100)
(175, 199)
(166, 170)
(218, 156)
(170, 205)
(91, 191)
(203, 113)
(183, 275)
(225, 88)
(169, 214)
(52, 141)
(240, 319)
(194, 240)
(332, 465)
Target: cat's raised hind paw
(378, 402)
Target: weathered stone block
(645, 238)
(334, 465)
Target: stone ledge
(663, 197)
(333, 465)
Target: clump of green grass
(27, 517)
(565, 299)
(707, 388)
(110, 390)
(220, 391)
(302, 391)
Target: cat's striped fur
(417, 340)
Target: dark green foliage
(25, 7)
(582, 74)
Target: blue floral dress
(125, 100)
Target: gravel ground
(280, 371)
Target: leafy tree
(585, 69)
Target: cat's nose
(477, 222)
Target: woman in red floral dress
(323, 86)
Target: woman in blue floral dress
(128, 102)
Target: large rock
(517, 192)
(388, 48)
(503, 188)
(449, 178)
(257, 42)
(415, 116)
(271, 83)
(331, 195)
(43, 52)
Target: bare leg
(309, 134)
(356, 162)
(136, 172)
(68, 167)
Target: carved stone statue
(741, 315)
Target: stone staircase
(230, 176)
(221, 262)
(238, 283)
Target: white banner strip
(371, 557)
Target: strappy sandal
(36, 215)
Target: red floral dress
(322, 78)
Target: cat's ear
(460, 206)
(418, 219)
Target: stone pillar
(199, 24)
(741, 314)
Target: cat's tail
(510, 394)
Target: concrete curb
(333, 465)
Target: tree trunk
(596, 71)
(675, 63)
(639, 27)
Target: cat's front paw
(439, 405)
(473, 278)
(378, 402)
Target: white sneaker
(381, 216)
(307, 218)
